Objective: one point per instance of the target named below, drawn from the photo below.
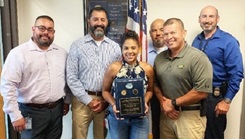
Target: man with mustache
(33, 84)
(87, 61)
(223, 50)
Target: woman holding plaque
(128, 87)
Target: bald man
(157, 44)
(223, 50)
(155, 47)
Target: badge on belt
(216, 92)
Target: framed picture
(117, 16)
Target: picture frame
(117, 16)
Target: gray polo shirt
(191, 69)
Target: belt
(189, 108)
(98, 93)
(49, 105)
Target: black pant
(46, 123)
(215, 125)
(156, 111)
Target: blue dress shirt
(152, 53)
(223, 50)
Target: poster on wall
(117, 15)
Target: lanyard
(204, 47)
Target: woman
(129, 67)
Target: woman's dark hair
(130, 35)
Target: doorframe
(2, 114)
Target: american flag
(137, 15)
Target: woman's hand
(116, 112)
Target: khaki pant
(81, 119)
(189, 125)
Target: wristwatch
(176, 107)
(227, 100)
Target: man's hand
(104, 105)
(169, 109)
(19, 125)
(97, 105)
(65, 109)
(94, 105)
(222, 108)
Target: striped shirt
(87, 63)
(31, 75)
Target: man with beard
(33, 84)
(223, 50)
(87, 61)
(155, 47)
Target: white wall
(68, 16)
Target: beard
(208, 27)
(98, 32)
(158, 43)
(40, 42)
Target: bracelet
(113, 104)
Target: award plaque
(130, 97)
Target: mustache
(206, 23)
(99, 26)
(44, 35)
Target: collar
(152, 49)
(181, 53)
(89, 38)
(32, 46)
(217, 34)
(125, 64)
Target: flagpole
(143, 57)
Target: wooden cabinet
(2, 119)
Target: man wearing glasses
(33, 84)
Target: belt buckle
(50, 105)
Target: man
(223, 51)
(157, 46)
(33, 84)
(184, 78)
(86, 64)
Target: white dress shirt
(31, 75)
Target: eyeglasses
(43, 28)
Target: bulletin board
(117, 15)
